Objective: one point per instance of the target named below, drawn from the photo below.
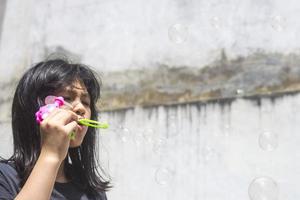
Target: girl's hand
(55, 130)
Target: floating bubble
(227, 126)
(240, 92)
(227, 130)
(266, 108)
(172, 117)
(160, 146)
(163, 176)
(215, 22)
(104, 153)
(263, 188)
(278, 23)
(124, 133)
(268, 141)
(138, 138)
(210, 154)
(148, 135)
(178, 33)
(173, 129)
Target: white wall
(207, 152)
(113, 35)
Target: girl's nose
(79, 109)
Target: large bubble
(163, 176)
(263, 188)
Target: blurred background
(202, 96)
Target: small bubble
(266, 109)
(172, 130)
(215, 22)
(278, 23)
(263, 188)
(268, 141)
(160, 146)
(138, 138)
(178, 33)
(124, 134)
(163, 176)
(148, 135)
(104, 153)
(240, 92)
(227, 130)
(210, 154)
(172, 117)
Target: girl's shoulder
(7, 170)
(9, 180)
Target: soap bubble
(124, 133)
(172, 117)
(172, 129)
(268, 141)
(172, 124)
(104, 153)
(263, 188)
(148, 135)
(178, 33)
(210, 154)
(215, 22)
(266, 108)
(227, 130)
(278, 23)
(240, 92)
(164, 175)
(160, 146)
(138, 138)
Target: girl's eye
(86, 103)
(68, 99)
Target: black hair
(43, 79)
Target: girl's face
(77, 95)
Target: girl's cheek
(84, 129)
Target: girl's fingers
(67, 107)
(62, 117)
(52, 114)
(72, 126)
(65, 117)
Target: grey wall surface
(197, 151)
(190, 151)
(114, 35)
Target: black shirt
(9, 187)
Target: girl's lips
(79, 128)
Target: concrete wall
(189, 151)
(204, 151)
(114, 35)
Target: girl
(46, 163)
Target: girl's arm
(55, 143)
(39, 184)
